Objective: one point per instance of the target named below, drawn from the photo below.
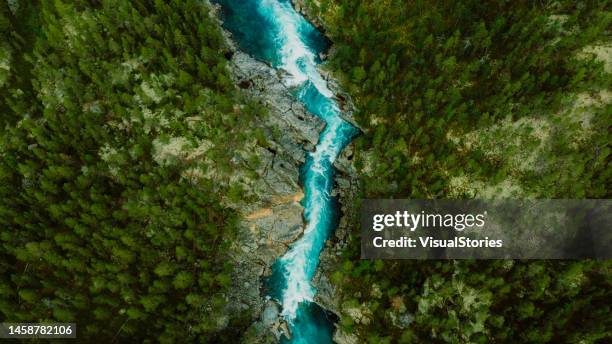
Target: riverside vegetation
(112, 111)
(149, 170)
(109, 213)
(474, 99)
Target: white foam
(294, 51)
(300, 62)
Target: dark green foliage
(17, 33)
(424, 72)
(457, 90)
(98, 223)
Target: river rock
(269, 85)
(346, 188)
(272, 216)
(270, 313)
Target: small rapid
(271, 30)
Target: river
(272, 31)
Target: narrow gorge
(273, 32)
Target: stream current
(272, 31)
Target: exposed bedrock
(273, 218)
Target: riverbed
(272, 31)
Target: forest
(107, 215)
(475, 99)
(119, 119)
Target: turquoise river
(272, 31)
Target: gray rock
(270, 313)
(275, 218)
(286, 112)
(326, 292)
(309, 147)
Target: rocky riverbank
(271, 225)
(347, 188)
(275, 219)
